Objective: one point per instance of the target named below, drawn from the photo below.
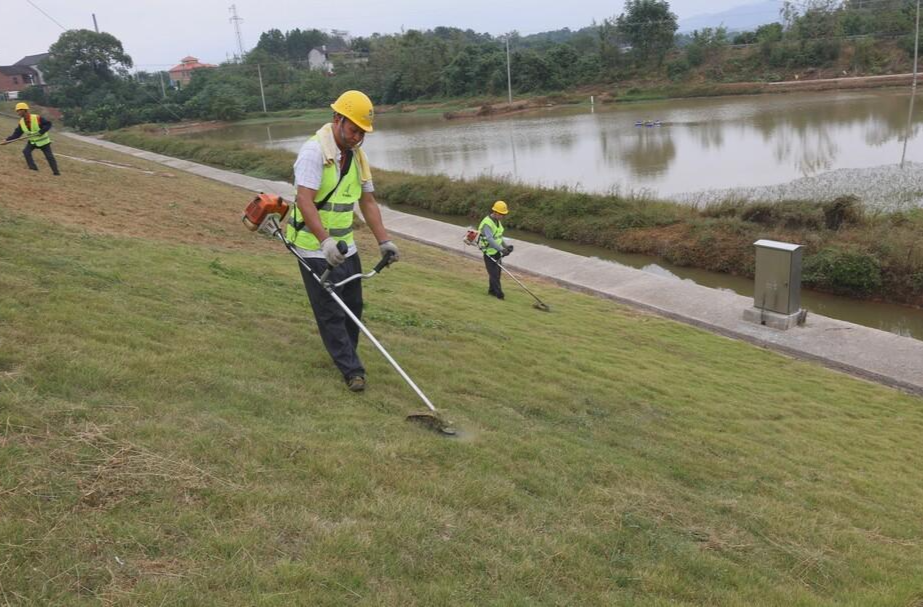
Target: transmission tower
(240, 39)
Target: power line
(46, 14)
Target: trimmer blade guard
(432, 422)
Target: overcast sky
(156, 34)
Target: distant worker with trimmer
(490, 241)
(332, 174)
(34, 129)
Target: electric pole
(913, 87)
(509, 80)
(259, 73)
(235, 19)
(95, 25)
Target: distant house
(321, 57)
(319, 60)
(33, 62)
(14, 78)
(181, 74)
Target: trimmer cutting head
(541, 306)
(432, 422)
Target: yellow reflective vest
(31, 131)
(336, 214)
(497, 228)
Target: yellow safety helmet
(500, 207)
(22, 106)
(356, 106)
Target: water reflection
(703, 143)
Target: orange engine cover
(262, 207)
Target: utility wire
(46, 14)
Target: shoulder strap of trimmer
(299, 225)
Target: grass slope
(172, 433)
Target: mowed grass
(172, 432)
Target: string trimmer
(471, 238)
(265, 212)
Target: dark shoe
(56, 174)
(356, 383)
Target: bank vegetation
(849, 250)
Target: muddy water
(901, 320)
(702, 143)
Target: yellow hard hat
(500, 207)
(356, 106)
(22, 106)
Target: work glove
(506, 251)
(331, 254)
(387, 246)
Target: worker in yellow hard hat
(34, 129)
(332, 174)
(490, 241)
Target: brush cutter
(471, 238)
(265, 212)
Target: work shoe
(356, 383)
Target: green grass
(171, 432)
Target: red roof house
(181, 74)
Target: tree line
(90, 79)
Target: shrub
(678, 70)
(845, 210)
(845, 271)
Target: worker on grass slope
(490, 241)
(35, 129)
(332, 174)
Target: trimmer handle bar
(342, 248)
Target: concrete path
(869, 353)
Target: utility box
(777, 286)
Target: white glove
(331, 254)
(385, 246)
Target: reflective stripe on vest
(336, 214)
(32, 133)
(496, 228)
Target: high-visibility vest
(497, 228)
(336, 214)
(32, 132)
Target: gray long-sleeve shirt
(488, 235)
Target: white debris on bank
(885, 188)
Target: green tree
(299, 43)
(648, 26)
(272, 43)
(610, 51)
(707, 45)
(85, 57)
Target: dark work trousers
(339, 333)
(493, 273)
(49, 156)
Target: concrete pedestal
(774, 320)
